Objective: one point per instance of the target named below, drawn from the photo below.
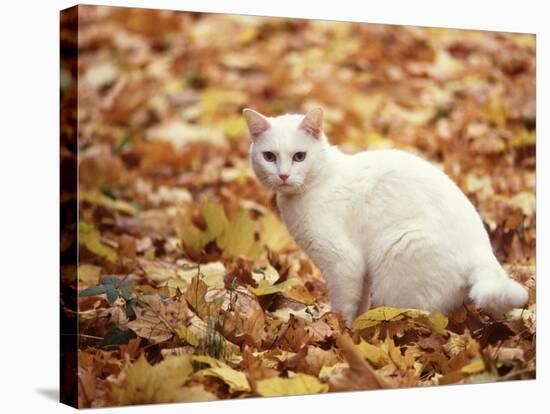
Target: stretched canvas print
(256, 206)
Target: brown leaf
(156, 320)
(293, 335)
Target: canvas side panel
(68, 206)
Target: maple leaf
(265, 288)
(300, 384)
(373, 353)
(156, 320)
(143, 383)
(416, 317)
(238, 237)
(236, 380)
(234, 238)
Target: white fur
(384, 227)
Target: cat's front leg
(345, 282)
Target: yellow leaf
(265, 288)
(216, 221)
(234, 238)
(160, 383)
(371, 352)
(298, 385)
(89, 274)
(91, 238)
(274, 234)
(395, 355)
(474, 367)
(438, 322)
(235, 379)
(377, 315)
(192, 237)
(435, 320)
(238, 237)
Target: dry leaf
(298, 385)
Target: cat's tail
(495, 292)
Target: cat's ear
(312, 123)
(257, 123)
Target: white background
(29, 136)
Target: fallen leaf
(236, 380)
(156, 320)
(300, 384)
(238, 237)
(143, 383)
(371, 352)
(91, 239)
(265, 288)
(88, 275)
(274, 234)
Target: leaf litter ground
(189, 286)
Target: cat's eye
(269, 156)
(299, 156)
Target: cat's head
(287, 152)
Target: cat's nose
(283, 177)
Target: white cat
(384, 226)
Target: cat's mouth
(286, 188)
